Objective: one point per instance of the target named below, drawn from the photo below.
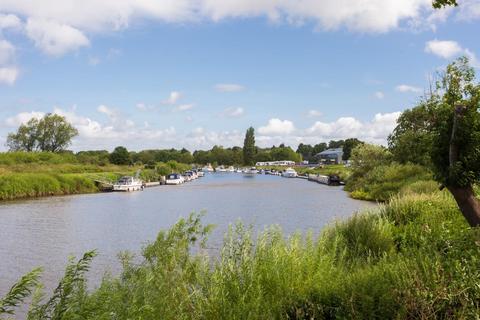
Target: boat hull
(174, 181)
(127, 188)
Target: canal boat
(251, 171)
(128, 183)
(174, 179)
(289, 173)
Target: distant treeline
(216, 155)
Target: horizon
(194, 74)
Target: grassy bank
(39, 174)
(414, 258)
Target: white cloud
(233, 112)
(183, 107)
(375, 131)
(8, 75)
(444, 49)
(9, 21)
(379, 95)
(229, 87)
(55, 38)
(469, 10)
(8, 72)
(449, 49)
(407, 88)
(110, 112)
(277, 127)
(23, 117)
(173, 97)
(57, 27)
(314, 113)
(107, 15)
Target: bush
(385, 181)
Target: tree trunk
(467, 202)
(464, 196)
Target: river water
(44, 232)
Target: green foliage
(457, 89)
(120, 156)
(25, 139)
(19, 292)
(249, 147)
(67, 297)
(437, 4)
(27, 185)
(279, 153)
(385, 181)
(366, 157)
(348, 147)
(411, 140)
(413, 258)
(52, 133)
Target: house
(330, 156)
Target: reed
(414, 257)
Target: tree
(25, 139)
(319, 147)
(335, 144)
(348, 146)
(54, 133)
(120, 156)
(455, 128)
(249, 146)
(365, 157)
(437, 4)
(306, 151)
(411, 139)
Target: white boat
(239, 170)
(207, 168)
(289, 173)
(174, 179)
(128, 183)
(193, 174)
(251, 171)
(220, 169)
(231, 169)
(200, 174)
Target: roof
(330, 152)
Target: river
(44, 232)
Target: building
(275, 163)
(330, 156)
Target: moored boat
(128, 183)
(174, 179)
(251, 171)
(289, 173)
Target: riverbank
(413, 258)
(31, 175)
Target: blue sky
(163, 74)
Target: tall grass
(415, 258)
(26, 185)
(385, 181)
